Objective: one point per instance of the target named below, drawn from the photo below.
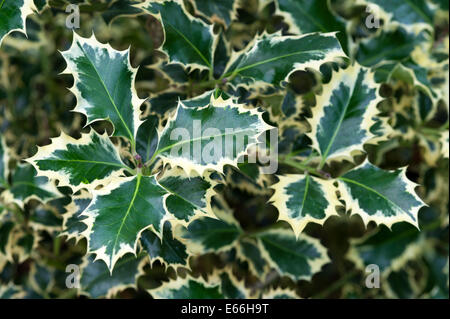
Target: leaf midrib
(344, 179)
(109, 95)
(191, 44)
(200, 139)
(271, 242)
(304, 195)
(1, 4)
(341, 119)
(270, 60)
(136, 190)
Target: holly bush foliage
(356, 93)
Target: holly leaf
(412, 14)
(248, 251)
(305, 16)
(301, 199)
(13, 15)
(386, 248)
(147, 138)
(395, 45)
(385, 197)
(271, 59)
(222, 11)
(344, 112)
(187, 40)
(168, 250)
(206, 234)
(104, 85)
(298, 258)
(73, 226)
(87, 162)
(189, 194)
(97, 281)
(45, 219)
(118, 214)
(25, 186)
(209, 137)
(187, 288)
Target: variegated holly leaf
(206, 234)
(305, 16)
(13, 15)
(222, 11)
(249, 252)
(187, 40)
(388, 249)
(187, 288)
(189, 195)
(147, 138)
(298, 258)
(407, 71)
(73, 226)
(201, 138)
(393, 45)
(118, 214)
(4, 161)
(84, 163)
(97, 281)
(25, 185)
(411, 14)
(45, 219)
(301, 199)
(168, 249)
(104, 85)
(344, 112)
(385, 197)
(270, 59)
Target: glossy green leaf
(344, 113)
(207, 234)
(187, 40)
(189, 194)
(13, 15)
(201, 138)
(415, 14)
(393, 45)
(25, 185)
(169, 250)
(305, 16)
(97, 281)
(386, 197)
(223, 11)
(87, 162)
(118, 214)
(298, 258)
(104, 85)
(270, 59)
(301, 199)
